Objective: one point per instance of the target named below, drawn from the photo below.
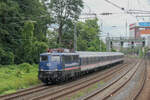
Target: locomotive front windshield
(55, 58)
(43, 58)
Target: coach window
(104, 58)
(83, 61)
(86, 61)
(99, 59)
(96, 59)
(75, 58)
(71, 58)
(92, 60)
(89, 60)
(109, 57)
(66, 59)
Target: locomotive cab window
(43, 58)
(55, 58)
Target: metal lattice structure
(122, 40)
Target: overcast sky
(118, 20)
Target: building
(140, 30)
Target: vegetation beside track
(15, 77)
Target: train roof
(87, 54)
(98, 54)
(59, 53)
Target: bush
(39, 47)
(26, 67)
(6, 58)
(14, 77)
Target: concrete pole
(108, 43)
(75, 37)
(100, 43)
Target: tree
(25, 49)
(65, 11)
(88, 39)
(36, 11)
(15, 15)
(38, 47)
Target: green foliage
(146, 49)
(14, 77)
(87, 36)
(52, 39)
(27, 46)
(113, 50)
(65, 11)
(21, 23)
(88, 39)
(38, 47)
(6, 57)
(141, 53)
(25, 67)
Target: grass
(15, 77)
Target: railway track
(24, 92)
(113, 87)
(63, 92)
(142, 83)
(43, 91)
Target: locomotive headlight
(48, 64)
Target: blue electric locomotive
(56, 66)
